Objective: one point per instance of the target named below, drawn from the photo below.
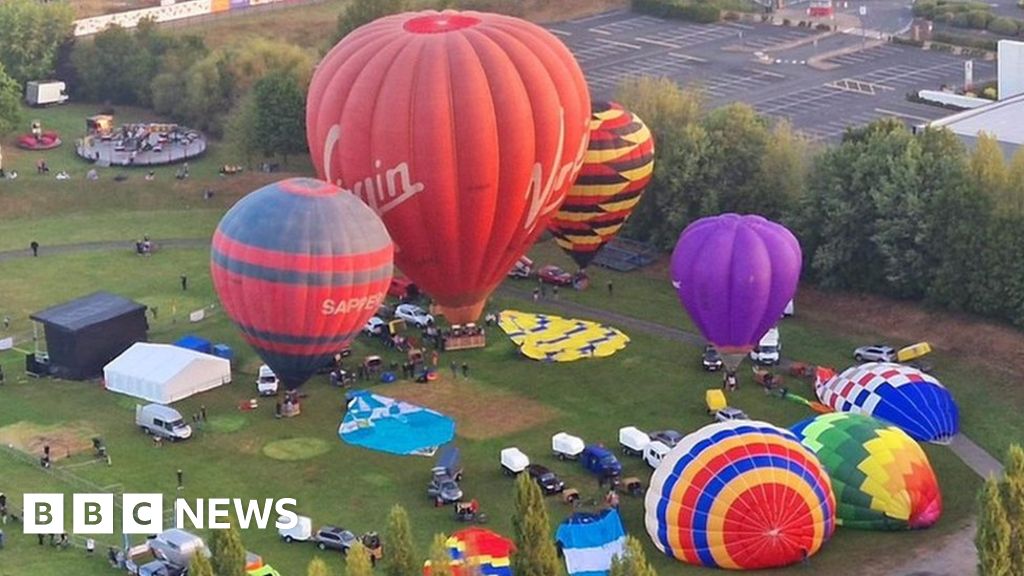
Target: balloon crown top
(438, 23)
(307, 187)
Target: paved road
(722, 59)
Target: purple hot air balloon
(734, 275)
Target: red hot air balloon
(462, 130)
(300, 266)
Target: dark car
(600, 461)
(711, 359)
(552, 274)
(443, 489)
(334, 538)
(548, 481)
(667, 437)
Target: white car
(654, 452)
(414, 315)
(729, 413)
(267, 383)
(374, 326)
(875, 353)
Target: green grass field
(654, 383)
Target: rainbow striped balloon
(740, 495)
(616, 169)
(300, 266)
(881, 477)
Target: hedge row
(700, 12)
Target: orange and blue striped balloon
(742, 495)
(300, 266)
(616, 169)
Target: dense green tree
(1015, 185)
(440, 560)
(633, 562)
(359, 12)
(215, 84)
(240, 130)
(279, 103)
(317, 567)
(674, 196)
(168, 87)
(992, 539)
(1013, 500)
(401, 557)
(783, 171)
(227, 552)
(738, 138)
(11, 117)
(30, 34)
(357, 561)
(535, 553)
(114, 67)
(988, 167)
(200, 566)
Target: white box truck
(45, 93)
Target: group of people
(290, 407)
(144, 247)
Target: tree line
(884, 211)
(535, 555)
(1000, 534)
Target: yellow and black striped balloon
(617, 167)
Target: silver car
(729, 414)
(875, 353)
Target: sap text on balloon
(331, 307)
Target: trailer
(45, 93)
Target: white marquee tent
(164, 373)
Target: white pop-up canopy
(164, 373)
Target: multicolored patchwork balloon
(881, 477)
(904, 396)
(616, 170)
(740, 495)
(478, 552)
(300, 266)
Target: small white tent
(164, 373)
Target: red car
(402, 288)
(552, 274)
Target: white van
(654, 452)
(267, 383)
(768, 351)
(162, 421)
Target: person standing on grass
(455, 370)
(202, 413)
(184, 282)
(609, 287)
(35, 248)
(465, 370)
(181, 479)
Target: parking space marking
(687, 57)
(558, 32)
(600, 49)
(852, 85)
(617, 43)
(690, 35)
(730, 83)
(610, 76)
(905, 75)
(867, 55)
(598, 16)
(658, 42)
(627, 25)
(766, 42)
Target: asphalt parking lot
(767, 67)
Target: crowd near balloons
(445, 144)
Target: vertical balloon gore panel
(300, 267)
(462, 130)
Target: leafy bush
(955, 40)
(730, 16)
(926, 9)
(1003, 26)
(960, 20)
(907, 41)
(979, 19)
(679, 10)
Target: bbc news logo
(145, 513)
